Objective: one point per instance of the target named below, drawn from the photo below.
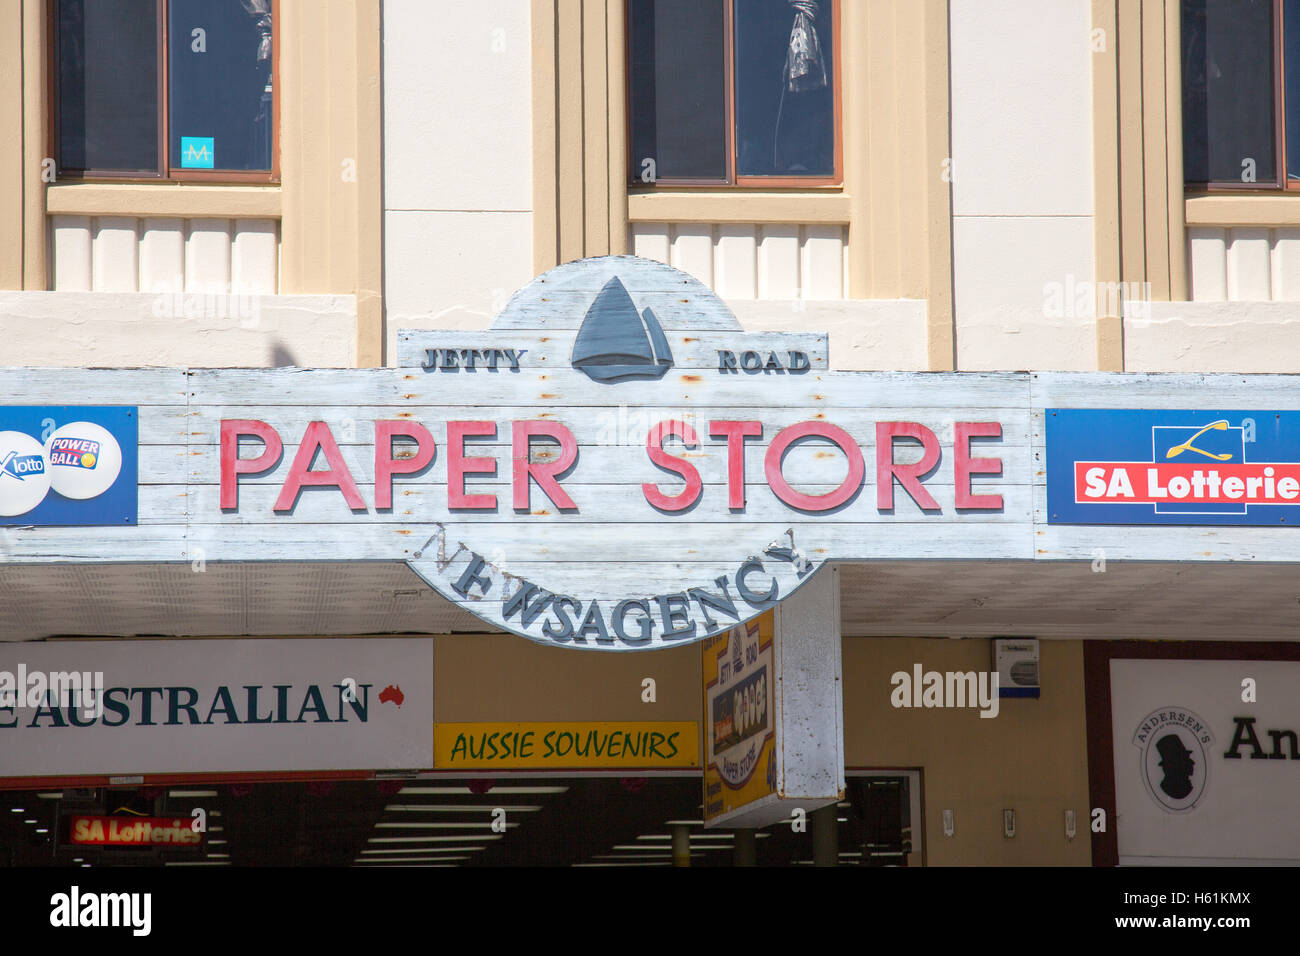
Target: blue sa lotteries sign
(68, 465)
(1181, 467)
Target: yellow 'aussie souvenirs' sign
(567, 745)
(740, 726)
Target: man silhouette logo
(1177, 763)
(1174, 764)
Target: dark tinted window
(785, 102)
(1228, 82)
(220, 79)
(678, 89)
(1291, 59)
(108, 84)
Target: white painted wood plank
(724, 544)
(144, 543)
(1209, 263)
(554, 349)
(1248, 265)
(778, 262)
(907, 541)
(72, 244)
(136, 386)
(618, 426)
(822, 262)
(207, 256)
(1165, 543)
(692, 250)
(115, 264)
(254, 261)
(598, 505)
(291, 386)
(163, 424)
(650, 241)
(171, 465)
(1140, 390)
(736, 275)
(162, 255)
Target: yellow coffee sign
(740, 745)
(576, 745)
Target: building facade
(981, 188)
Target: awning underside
(1182, 601)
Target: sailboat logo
(616, 342)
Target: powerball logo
(74, 452)
(1192, 467)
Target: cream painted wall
(864, 334)
(134, 329)
(1213, 337)
(1022, 181)
(457, 162)
(1031, 758)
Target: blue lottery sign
(68, 465)
(1176, 467)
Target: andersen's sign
(614, 465)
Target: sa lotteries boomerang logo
(1220, 426)
(79, 461)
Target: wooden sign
(614, 465)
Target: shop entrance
(584, 821)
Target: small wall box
(1016, 661)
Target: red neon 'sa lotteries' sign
(134, 831)
(1127, 482)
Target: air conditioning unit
(1016, 661)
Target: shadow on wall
(281, 357)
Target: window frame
(166, 173)
(733, 181)
(1282, 184)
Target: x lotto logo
(19, 467)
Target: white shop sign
(212, 706)
(1179, 798)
